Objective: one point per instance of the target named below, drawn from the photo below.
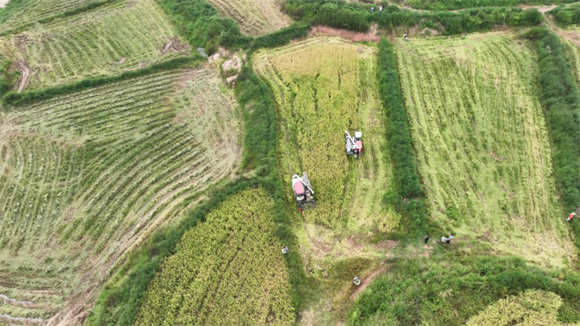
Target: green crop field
(109, 40)
(84, 177)
(323, 87)
(228, 271)
(255, 17)
(481, 143)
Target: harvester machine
(354, 146)
(303, 192)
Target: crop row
(101, 42)
(228, 270)
(92, 171)
(481, 140)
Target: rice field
(255, 17)
(229, 270)
(21, 12)
(106, 41)
(481, 143)
(324, 86)
(86, 176)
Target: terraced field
(323, 87)
(84, 177)
(109, 40)
(20, 12)
(229, 270)
(255, 17)
(482, 145)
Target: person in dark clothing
(426, 238)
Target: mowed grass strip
(324, 86)
(228, 270)
(109, 40)
(481, 142)
(85, 176)
(255, 17)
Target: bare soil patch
(24, 75)
(353, 36)
(136, 68)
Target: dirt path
(367, 281)
(24, 75)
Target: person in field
(356, 280)
(447, 240)
(380, 8)
(426, 238)
(285, 250)
(372, 9)
(571, 216)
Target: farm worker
(380, 8)
(285, 250)
(570, 217)
(356, 280)
(372, 9)
(405, 37)
(406, 7)
(447, 240)
(426, 238)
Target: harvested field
(481, 143)
(255, 17)
(83, 177)
(106, 41)
(20, 13)
(323, 87)
(228, 271)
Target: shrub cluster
(16, 99)
(566, 16)
(281, 37)
(561, 102)
(199, 22)
(357, 17)
(409, 200)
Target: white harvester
(354, 146)
(303, 192)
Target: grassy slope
(104, 41)
(481, 143)
(324, 86)
(227, 270)
(255, 17)
(85, 176)
(457, 284)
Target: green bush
(566, 16)
(199, 22)
(281, 37)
